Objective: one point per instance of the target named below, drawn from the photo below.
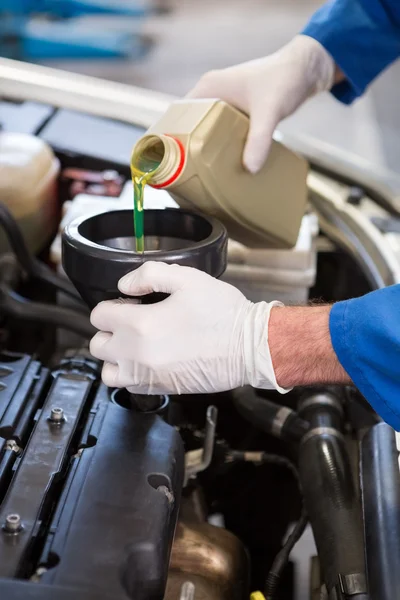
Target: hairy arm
(301, 348)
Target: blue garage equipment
(50, 29)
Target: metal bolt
(187, 591)
(40, 571)
(13, 446)
(12, 523)
(57, 415)
(168, 494)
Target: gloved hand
(205, 337)
(270, 89)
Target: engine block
(89, 490)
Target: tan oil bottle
(196, 150)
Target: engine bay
(105, 495)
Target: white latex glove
(205, 337)
(270, 89)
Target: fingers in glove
(154, 277)
(111, 314)
(100, 345)
(259, 139)
(110, 375)
(121, 376)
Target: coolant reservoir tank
(198, 147)
(28, 176)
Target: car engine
(106, 495)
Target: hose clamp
(353, 584)
(323, 400)
(279, 420)
(321, 431)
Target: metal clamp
(280, 419)
(321, 431)
(322, 400)
(353, 584)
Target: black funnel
(97, 251)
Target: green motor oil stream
(142, 169)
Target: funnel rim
(95, 268)
(78, 240)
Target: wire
(14, 305)
(281, 559)
(33, 267)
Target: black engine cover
(97, 494)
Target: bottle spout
(160, 156)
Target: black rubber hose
(274, 419)
(333, 505)
(14, 305)
(33, 267)
(10, 271)
(380, 484)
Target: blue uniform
(363, 37)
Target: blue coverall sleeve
(365, 335)
(363, 37)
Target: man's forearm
(301, 348)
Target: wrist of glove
(315, 63)
(270, 89)
(205, 337)
(257, 356)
